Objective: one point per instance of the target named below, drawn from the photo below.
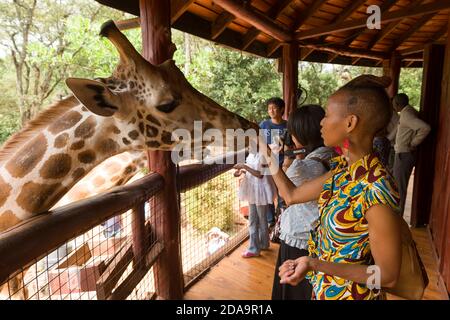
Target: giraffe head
(151, 101)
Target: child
(258, 190)
(357, 239)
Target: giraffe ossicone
(137, 108)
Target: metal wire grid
(72, 271)
(211, 224)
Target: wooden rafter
(309, 12)
(272, 47)
(384, 8)
(355, 61)
(305, 52)
(387, 29)
(256, 19)
(332, 56)
(220, 24)
(388, 17)
(178, 7)
(442, 31)
(415, 27)
(350, 52)
(273, 13)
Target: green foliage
(411, 83)
(212, 204)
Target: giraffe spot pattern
(7, 220)
(86, 129)
(141, 127)
(87, 156)
(114, 129)
(57, 166)
(78, 173)
(108, 146)
(166, 138)
(61, 140)
(153, 120)
(151, 132)
(5, 190)
(67, 121)
(133, 134)
(77, 145)
(36, 197)
(28, 157)
(126, 141)
(153, 144)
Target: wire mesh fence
(104, 262)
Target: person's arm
(253, 172)
(286, 188)
(420, 127)
(385, 246)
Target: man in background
(411, 131)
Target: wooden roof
(331, 31)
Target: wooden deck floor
(235, 278)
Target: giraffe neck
(41, 171)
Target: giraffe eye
(168, 107)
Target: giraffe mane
(43, 119)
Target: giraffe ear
(94, 95)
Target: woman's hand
(294, 271)
(240, 166)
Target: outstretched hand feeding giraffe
(137, 108)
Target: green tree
(411, 84)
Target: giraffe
(136, 108)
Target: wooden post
(392, 68)
(429, 112)
(290, 77)
(440, 207)
(157, 48)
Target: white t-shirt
(254, 190)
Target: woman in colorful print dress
(355, 249)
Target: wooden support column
(290, 76)
(440, 207)
(392, 68)
(157, 48)
(429, 112)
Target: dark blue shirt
(272, 130)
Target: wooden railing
(33, 239)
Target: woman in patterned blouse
(355, 249)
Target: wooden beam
(409, 64)
(392, 68)
(178, 7)
(348, 11)
(332, 56)
(421, 47)
(256, 19)
(350, 52)
(220, 24)
(272, 47)
(128, 24)
(273, 13)
(384, 8)
(157, 48)
(415, 27)
(355, 61)
(388, 17)
(309, 12)
(305, 52)
(290, 77)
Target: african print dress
(342, 234)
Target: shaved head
(366, 98)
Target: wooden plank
(272, 47)
(361, 23)
(309, 12)
(255, 19)
(114, 270)
(178, 7)
(139, 271)
(221, 23)
(290, 77)
(332, 57)
(274, 13)
(392, 68)
(305, 52)
(442, 31)
(426, 153)
(350, 52)
(416, 26)
(157, 48)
